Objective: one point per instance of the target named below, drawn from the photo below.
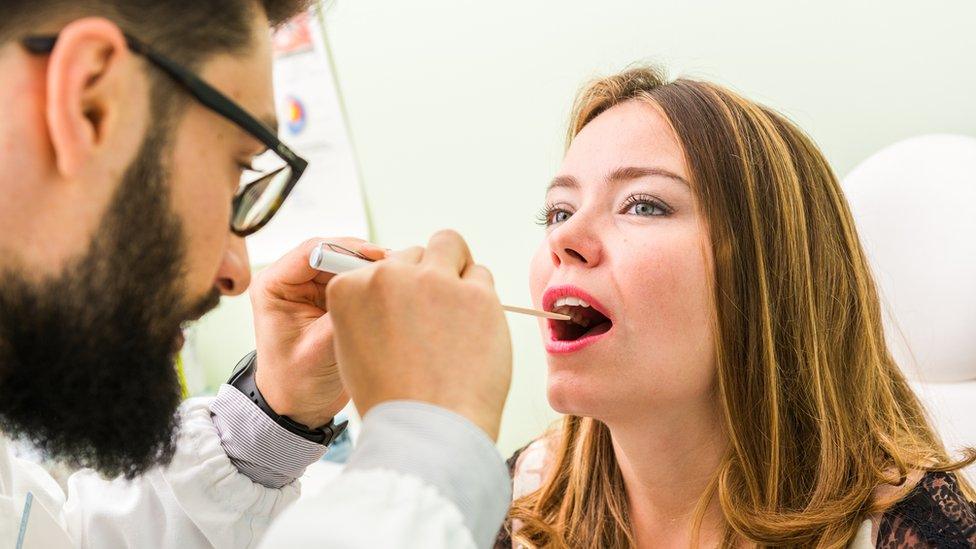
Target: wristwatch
(243, 380)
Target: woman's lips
(554, 345)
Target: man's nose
(234, 275)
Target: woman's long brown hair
(816, 411)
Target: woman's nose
(574, 242)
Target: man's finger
(447, 250)
(479, 275)
(373, 252)
(411, 255)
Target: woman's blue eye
(551, 214)
(559, 216)
(646, 209)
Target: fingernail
(374, 248)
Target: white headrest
(915, 208)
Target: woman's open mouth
(587, 324)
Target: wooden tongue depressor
(335, 259)
(535, 312)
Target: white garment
(381, 509)
(202, 500)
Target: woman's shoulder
(528, 466)
(935, 513)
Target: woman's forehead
(633, 133)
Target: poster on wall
(328, 200)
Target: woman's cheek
(540, 271)
(663, 283)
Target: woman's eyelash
(647, 199)
(544, 216)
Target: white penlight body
(324, 259)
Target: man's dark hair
(188, 31)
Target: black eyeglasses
(259, 197)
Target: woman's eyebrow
(633, 172)
(620, 174)
(563, 181)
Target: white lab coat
(202, 500)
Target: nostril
(575, 254)
(226, 285)
(555, 259)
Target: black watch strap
(243, 380)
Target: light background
(458, 109)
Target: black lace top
(935, 514)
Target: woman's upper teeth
(570, 301)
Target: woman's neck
(667, 459)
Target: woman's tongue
(600, 328)
(584, 324)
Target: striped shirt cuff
(260, 448)
(446, 451)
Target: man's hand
(296, 364)
(424, 325)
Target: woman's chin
(571, 395)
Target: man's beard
(87, 356)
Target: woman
(725, 377)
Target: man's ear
(86, 78)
